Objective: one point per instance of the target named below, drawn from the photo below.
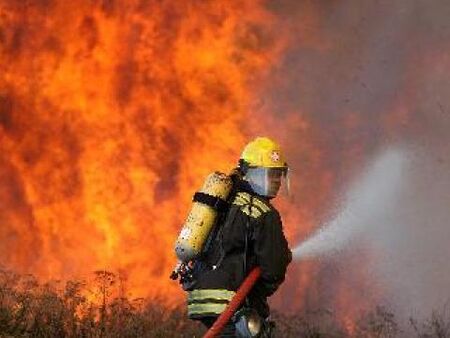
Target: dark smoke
(365, 75)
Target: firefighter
(249, 234)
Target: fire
(112, 114)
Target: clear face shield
(268, 181)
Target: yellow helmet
(264, 167)
(263, 152)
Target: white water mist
(365, 202)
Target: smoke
(367, 201)
(361, 77)
(411, 239)
(399, 209)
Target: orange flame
(112, 114)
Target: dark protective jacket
(250, 234)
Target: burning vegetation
(112, 114)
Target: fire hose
(234, 304)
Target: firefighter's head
(264, 166)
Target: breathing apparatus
(207, 203)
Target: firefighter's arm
(271, 251)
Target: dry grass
(28, 309)
(75, 309)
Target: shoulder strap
(213, 201)
(248, 233)
(231, 217)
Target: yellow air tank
(201, 218)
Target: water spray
(365, 202)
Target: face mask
(267, 181)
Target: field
(76, 309)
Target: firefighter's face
(274, 178)
(266, 181)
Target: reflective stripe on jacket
(208, 302)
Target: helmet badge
(275, 156)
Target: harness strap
(214, 202)
(247, 234)
(231, 218)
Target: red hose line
(234, 304)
